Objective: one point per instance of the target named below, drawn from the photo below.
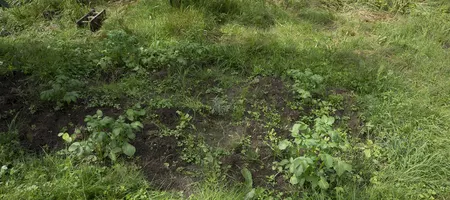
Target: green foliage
(24, 13)
(63, 90)
(248, 184)
(397, 6)
(53, 177)
(195, 150)
(401, 6)
(317, 17)
(395, 66)
(255, 13)
(305, 83)
(220, 106)
(9, 147)
(194, 147)
(105, 136)
(212, 191)
(312, 154)
(119, 51)
(9, 144)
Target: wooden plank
(81, 21)
(93, 19)
(97, 21)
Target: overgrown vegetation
(225, 99)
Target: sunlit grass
(397, 64)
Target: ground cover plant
(225, 99)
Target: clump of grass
(317, 17)
(400, 6)
(48, 9)
(255, 13)
(53, 177)
(212, 191)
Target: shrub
(63, 90)
(106, 137)
(312, 155)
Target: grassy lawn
(225, 99)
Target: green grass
(393, 55)
(52, 177)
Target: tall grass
(52, 177)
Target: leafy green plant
(305, 83)
(119, 52)
(106, 136)
(63, 90)
(312, 155)
(248, 184)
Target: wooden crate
(93, 19)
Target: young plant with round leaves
(106, 136)
(312, 155)
(305, 83)
(63, 90)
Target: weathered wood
(96, 22)
(82, 20)
(93, 19)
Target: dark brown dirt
(38, 129)
(11, 96)
(168, 116)
(271, 89)
(160, 160)
(272, 93)
(41, 129)
(159, 155)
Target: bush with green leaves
(312, 156)
(63, 90)
(119, 52)
(305, 83)
(106, 137)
